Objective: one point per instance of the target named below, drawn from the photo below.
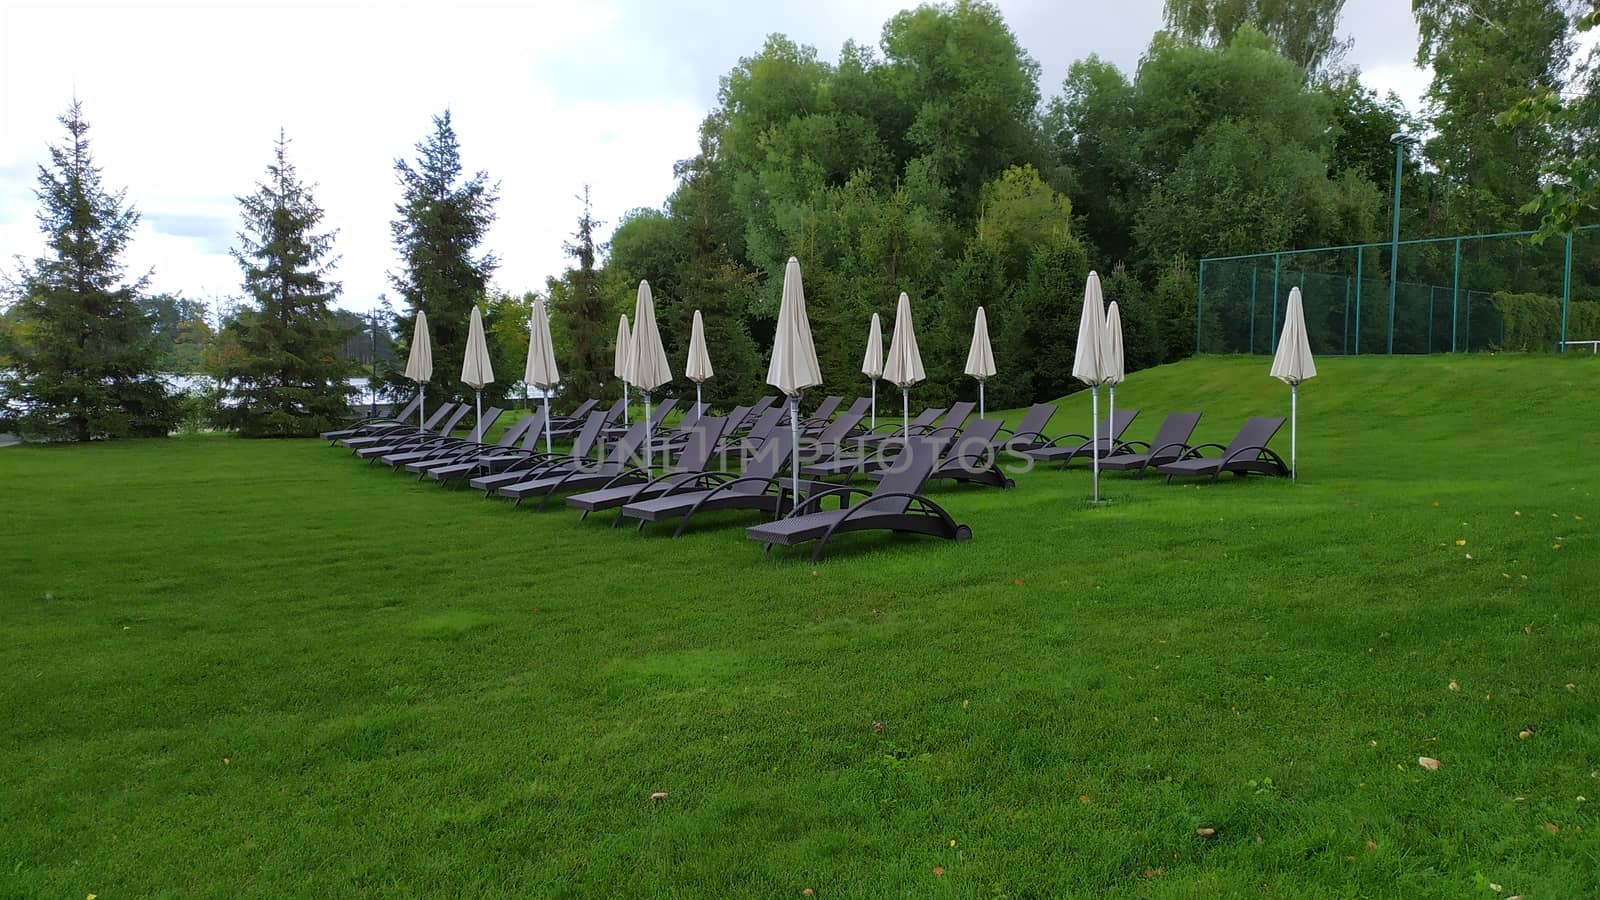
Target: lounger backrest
(736, 417)
(1257, 431)
(455, 419)
(583, 444)
(1036, 418)
(439, 415)
(958, 414)
(925, 418)
(907, 473)
(861, 406)
(770, 459)
(1111, 429)
(660, 412)
(1175, 429)
(839, 428)
(530, 438)
(515, 432)
(692, 417)
(702, 444)
(974, 446)
(490, 416)
(631, 444)
(616, 410)
(762, 406)
(768, 423)
(583, 409)
(827, 407)
(409, 410)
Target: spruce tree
(82, 358)
(442, 218)
(286, 375)
(590, 330)
(715, 285)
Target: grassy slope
(238, 667)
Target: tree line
(931, 162)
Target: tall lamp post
(1401, 141)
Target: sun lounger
(536, 463)
(367, 424)
(1029, 433)
(397, 442)
(393, 432)
(1170, 444)
(763, 486)
(1247, 453)
(432, 448)
(583, 474)
(471, 458)
(1108, 439)
(896, 504)
(693, 461)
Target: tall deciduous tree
(287, 374)
(82, 357)
(442, 218)
(1304, 31)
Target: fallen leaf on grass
(966, 703)
(1154, 873)
(1085, 799)
(1524, 734)
(1428, 762)
(1017, 582)
(952, 842)
(226, 761)
(1469, 556)
(1551, 827)
(1461, 543)
(1372, 847)
(1206, 832)
(877, 727)
(1454, 686)
(938, 871)
(1494, 887)
(658, 796)
(808, 892)
(1571, 688)
(1527, 629)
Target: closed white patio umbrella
(904, 366)
(647, 359)
(794, 358)
(1292, 365)
(419, 365)
(1088, 366)
(475, 368)
(1116, 370)
(872, 363)
(619, 361)
(698, 367)
(980, 358)
(541, 370)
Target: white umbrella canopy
(698, 367)
(794, 364)
(419, 365)
(980, 358)
(619, 360)
(1116, 369)
(1088, 364)
(1292, 365)
(541, 371)
(872, 363)
(476, 370)
(904, 366)
(647, 358)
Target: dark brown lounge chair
(1108, 439)
(368, 424)
(1170, 444)
(1247, 453)
(764, 485)
(692, 464)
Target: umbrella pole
(624, 403)
(647, 434)
(794, 454)
(905, 413)
(697, 403)
(1294, 429)
(980, 399)
(1111, 418)
(422, 411)
(547, 423)
(477, 425)
(1094, 437)
(874, 403)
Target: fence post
(1566, 293)
(1359, 252)
(1272, 339)
(1252, 309)
(1345, 351)
(1199, 304)
(1432, 289)
(1455, 294)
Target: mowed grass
(262, 668)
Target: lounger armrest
(1130, 445)
(1194, 451)
(1253, 452)
(1056, 442)
(1182, 447)
(815, 500)
(697, 476)
(953, 430)
(921, 504)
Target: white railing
(1594, 346)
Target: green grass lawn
(245, 668)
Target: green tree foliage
(285, 372)
(82, 358)
(1303, 31)
(589, 330)
(1488, 56)
(442, 217)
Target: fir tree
(82, 357)
(441, 221)
(286, 374)
(589, 329)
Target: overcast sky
(185, 99)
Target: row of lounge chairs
(601, 468)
